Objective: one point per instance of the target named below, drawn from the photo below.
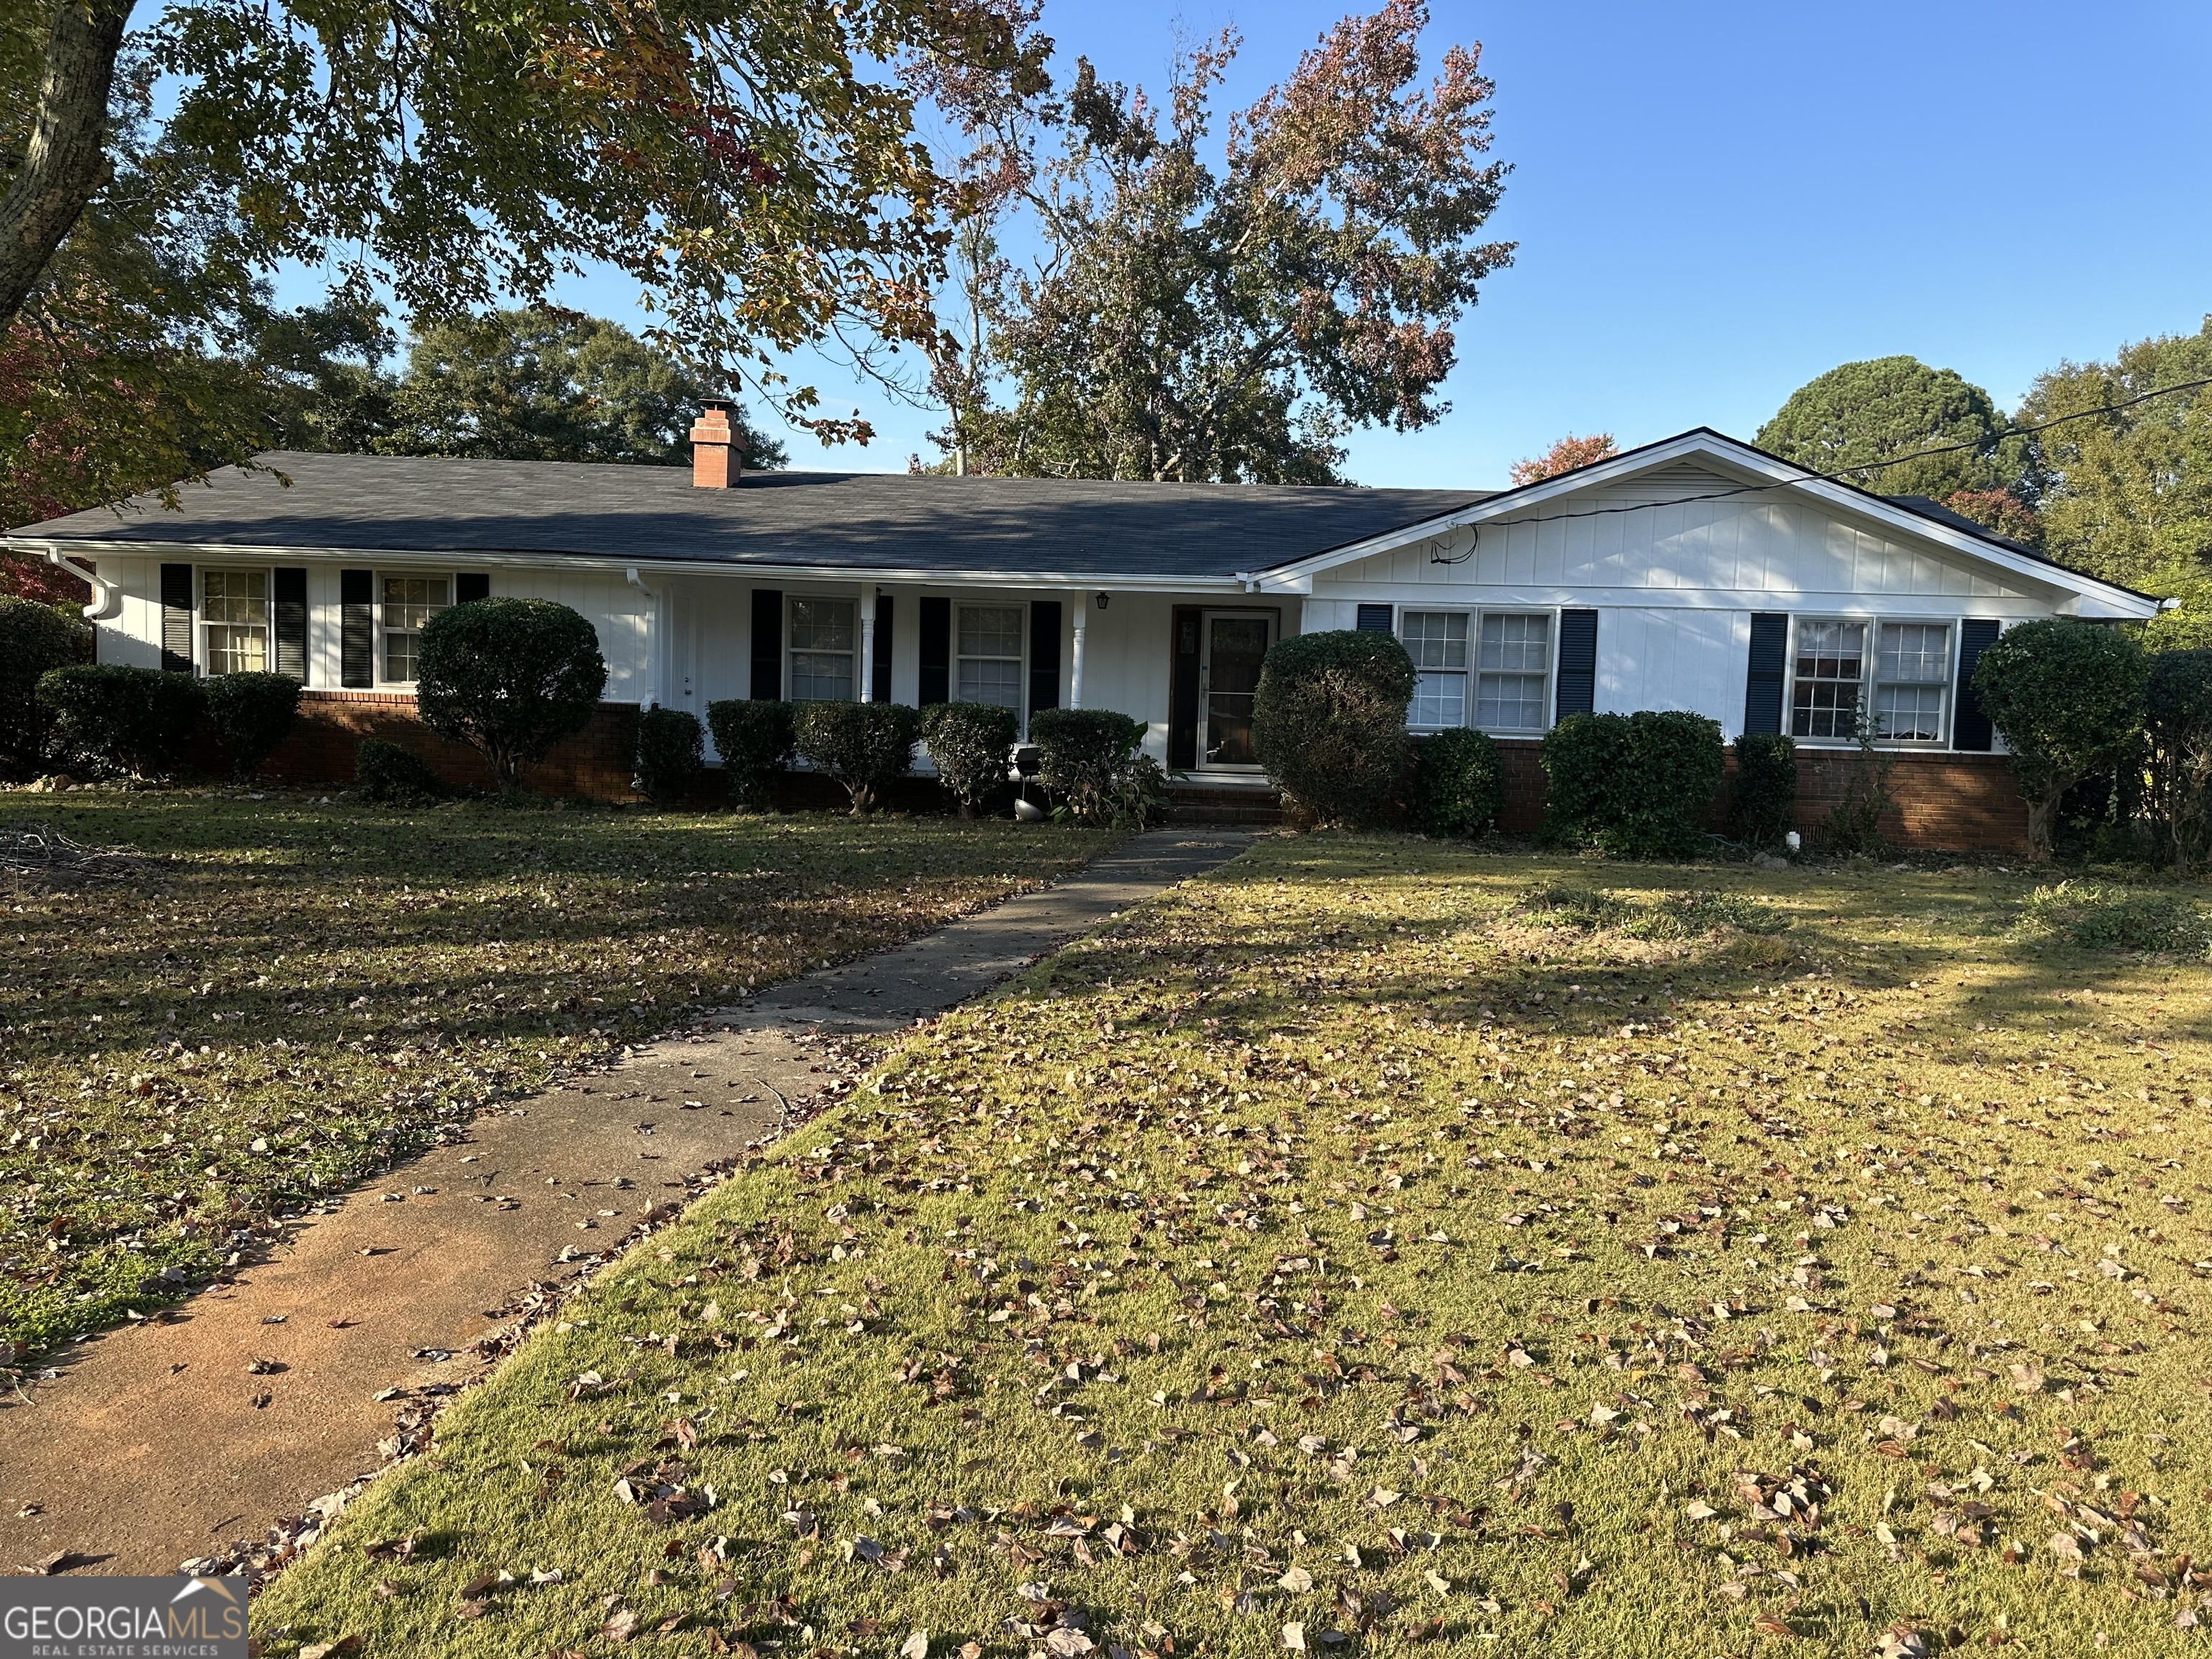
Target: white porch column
(868, 643)
(1075, 658)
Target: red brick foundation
(1949, 803)
(598, 763)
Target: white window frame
(1871, 678)
(1471, 708)
(202, 623)
(791, 649)
(1020, 659)
(382, 631)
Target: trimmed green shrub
(253, 713)
(389, 775)
(2068, 697)
(971, 744)
(1459, 783)
(1329, 722)
(1633, 786)
(510, 678)
(129, 719)
(1091, 757)
(756, 737)
(1764, 801)
(865, 746)
(672, 753)
(2178, 725)
(34, 641)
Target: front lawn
(1375, 1245)
(281, 997)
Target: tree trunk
(66, 161)
(2042, 815)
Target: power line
(1839, 475)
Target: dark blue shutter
(1762, 685)
(936, 618)
(1374, 619)
(1044, 654)
(471, 586)
(879, 684)
(177, 618)
(1970, 723)
(768, 645)
(288, 588)
(1577, 688)
(357, 629)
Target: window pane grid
(234, 605)
(990, 655)
(1435, 639)
(1507, 655)
(1439, 700)
(1830, 671)
(409, 603)
(825, 635)
(1509, 702)
(1517, 644)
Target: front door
(1233, 645)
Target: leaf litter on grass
(1299, 1260)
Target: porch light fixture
(1102, 598)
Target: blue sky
(1715, 203)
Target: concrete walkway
(170, 1441)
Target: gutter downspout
(106, 597)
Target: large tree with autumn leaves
(1189, 317)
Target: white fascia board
(448, 558)
(2090, 597)
(1548, 596)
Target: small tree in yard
(35, 640)
(865, 746)
(2178, 720)
(970, 742)
(253, 712)
(756, 739)
(1329, 722)
(510, 678)
(133, 720)
(1093, 756)
(2068, 697)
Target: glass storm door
(1228, 675)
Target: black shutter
(177, 618)
(1762, 685)
(936, 651)
(1044, 654)
(290, 590)
(1182, 692)
(471, 586)
(1374, 619)
(1576, 692)
(879, 685)
(768, 645)
(1969, 722)
(357, 629)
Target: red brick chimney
(714, 461)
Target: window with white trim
(990, 656)
(825, 643)
(1436, 642)
(405, 604)
(1912, 673)
(234, 621)
(1829, 679)
(1904, 685)
(1513, 667)
(1503, 658)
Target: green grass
(284, 997)
(1337, 1251)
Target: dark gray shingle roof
(857, 520)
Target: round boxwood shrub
(510, 678)
(2178, 724)
(1329, 722)
(1632, 786)
(253, 712)
(1089, 756)
(971, 743)
(756, 737)
(672, 753)
(129, 720)
(34, 641)
(2068, 695)
(1459, 783)
(389, 775)
(865, 746)
(1765, 803)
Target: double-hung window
(407, 604)
(1506, 655)
(825, 638)
(1901, 685)
(990, 656)
(234, 621)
